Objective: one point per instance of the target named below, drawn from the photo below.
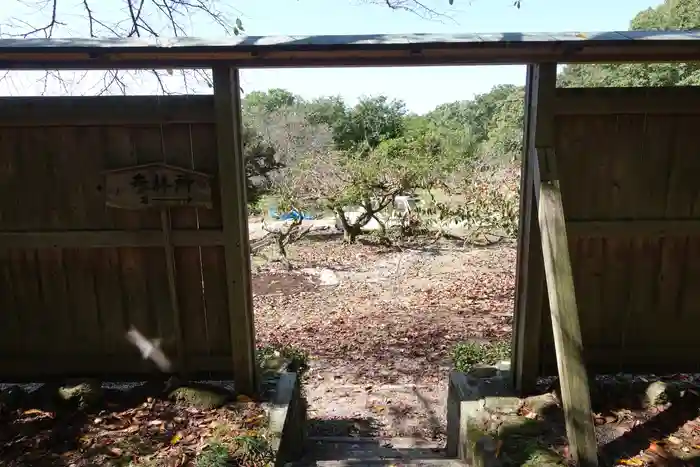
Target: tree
(671, 15)
(270, 101)
(475, 114)
(363, 127)
(326, 110)
(260, 163)
(142, 19)
(370, 179)
(504, 140)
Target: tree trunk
(281, 247)
(350, 235)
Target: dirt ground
(379, 324)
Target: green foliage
(467, 354)
(271, 100)
(215, 454)
(375, 150)
(504, 141)
(294, 358)
(260, 164)
(671, 15)
(326, 110)
(365, 126)
(476, 115)
(251, 449)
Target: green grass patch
(467, 354)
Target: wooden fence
(628, 165)
(77, 275)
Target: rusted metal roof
(361, 50)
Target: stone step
(383, 462)
(355, 451)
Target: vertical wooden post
(566, 328)
(529, 279)
(234, 213)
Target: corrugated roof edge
(347, 51)
(349, 41)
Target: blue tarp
(288, 216)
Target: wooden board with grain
(76, 274)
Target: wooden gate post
(529, 277)
(566, 327)
(234, 213)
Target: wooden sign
(157, 185)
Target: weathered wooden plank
(171, 274)
(109, 238)
(83, 301)
(559, 275)
(641, 358)
(126, 146)
(114, 368)
(625, 101)
(11, 339)
(565, 326)
(30, 302)
(232, 180)
(213, 259)
(529, 279)
(105, 110)
(163, 308)
(177, 147)
(8, 178)
(589, 287)
(110, 300)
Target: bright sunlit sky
(421, 88)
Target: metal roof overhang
(352, 51)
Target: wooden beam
(109, 238)
(566, 328)
(339, 51)
(105, 110)
(529, 279)
(602, 101)
(234, 211)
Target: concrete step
(355, 451)
(384, 462)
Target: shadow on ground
(626, 432)
(354, 440)
(39, 428)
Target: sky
(421, 88)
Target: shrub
(292, 358)
(467, 354)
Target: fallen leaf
(37, 412)
(175, 439)
(116, 452)
(658, 449)
(635, 461)
(499, 445)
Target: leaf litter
(128, 428)
(380, 343)
(382, 336)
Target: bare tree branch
(117, 19)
